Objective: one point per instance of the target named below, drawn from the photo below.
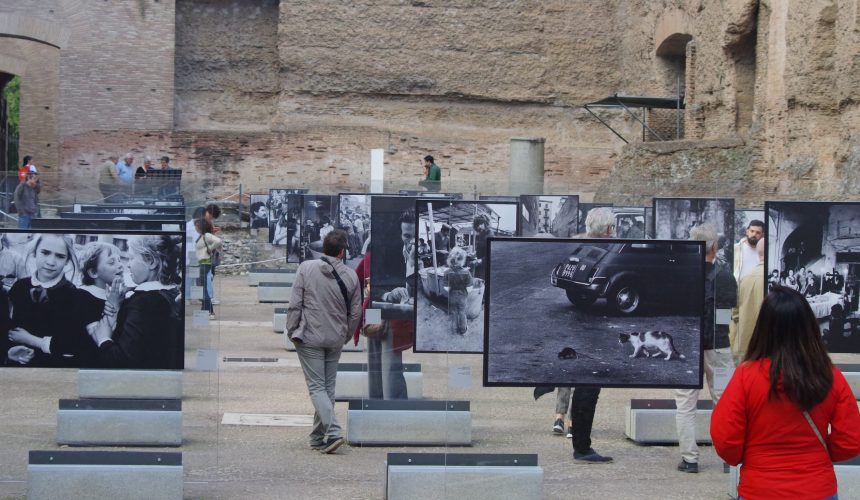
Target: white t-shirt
(749, 259)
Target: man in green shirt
(432, 174)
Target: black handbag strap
(340, 284)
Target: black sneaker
(591, 457)
(558, 426)
(569, 434)
(316, 446)
(331, 445)
(691, 467)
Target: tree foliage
(12, 93)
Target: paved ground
(228, 461)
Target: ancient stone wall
(227, 68)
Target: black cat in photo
(652, 343)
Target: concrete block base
(279, 320)
(118, 475)
(452, 476)
(258, 275)
(119, 422)
(352, 381)
(652, 421)
(274, 292)
(130, 384)
(409, 423)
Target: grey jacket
(317, 312)
(26, 199)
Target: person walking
(432, 174)
(324, 311)
(27, 200)
(787, 413)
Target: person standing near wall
(750, 297)
(432, 174)
(27, 200)
(324, 311)
(108, 178)
(125, 173)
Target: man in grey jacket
(324, 310)
(27, 200)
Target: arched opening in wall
(672, 61)
(742, 54)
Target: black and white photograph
(319, 215)
(258, 211)
(584, 208)
(549, 216)
(630, 223)
(674, 217)
(92, 300)
(392, 256)
(594, 312)
(285, 213)
(354, 218)
(451, 263)
(743, 217)
(814, 248)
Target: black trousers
(582, 407)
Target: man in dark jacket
(27, 200)
(720, 296)
(324, 310)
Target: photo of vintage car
(629, 275)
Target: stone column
(526, 165)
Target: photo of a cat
(601, 312)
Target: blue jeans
(385, 379)
(209, 287)
(319, 365)
(205, 272)
(25, 221)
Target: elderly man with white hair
(125, 172)
(720, 295)
(599, 223)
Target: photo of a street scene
(546, 216)
(452, 263)
(814, 248)
(591, 305)
(674, 217)
(354, 218)
(319, 213)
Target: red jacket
(403, 331)
(781, 456)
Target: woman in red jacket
(775, 412)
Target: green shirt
(434, 173)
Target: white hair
(705, 232)
(147, 159)
(599, 221)
(128, 156)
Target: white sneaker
(215, 302)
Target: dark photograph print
(549, 216)
(285, 213)
(674, 217)
(451, 264)
(92, 300)
(319, 215)
(814, 248)
(630, 223)
(354, 218)
(594, 312)
(259, 211)
(392, 256)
